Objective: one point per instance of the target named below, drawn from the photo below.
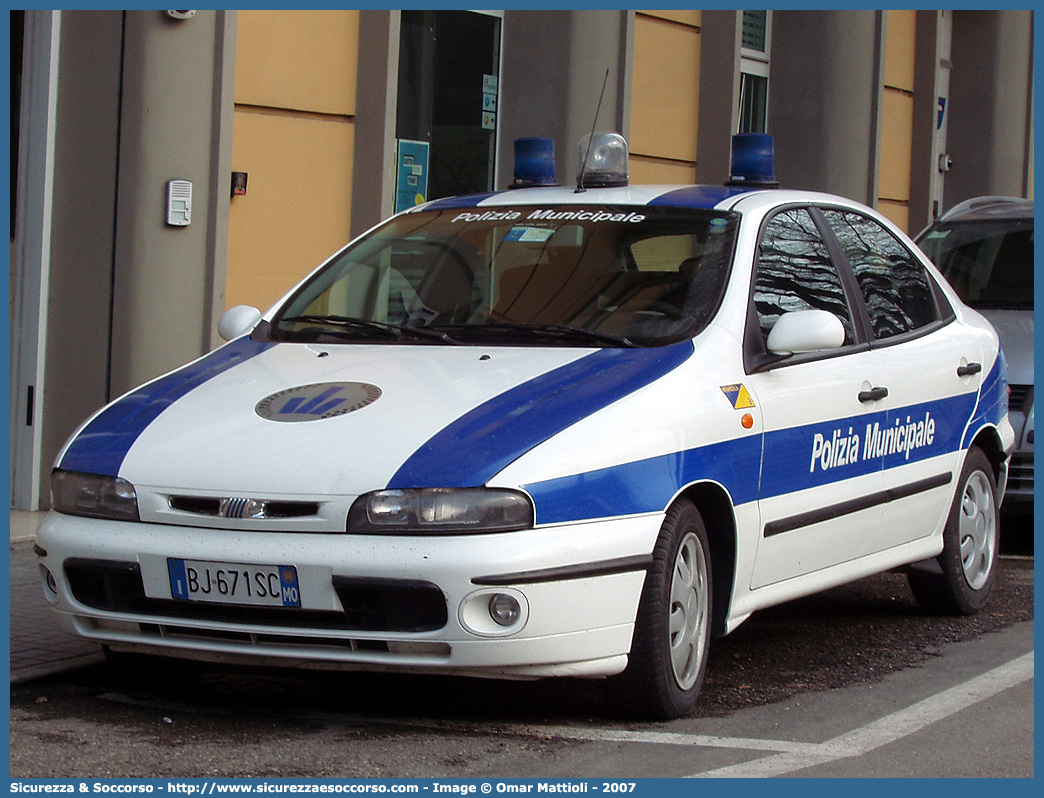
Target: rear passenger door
(930, 367)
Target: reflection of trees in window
(894, 285)
(795, 272)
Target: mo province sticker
(317, 401)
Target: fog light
(50, 584)
(494, 612)
(504, 609)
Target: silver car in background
(984, 248)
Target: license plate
(234, 583)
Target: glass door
(446, 113)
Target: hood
(1015, 328)
(313, 420)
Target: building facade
(168, 165)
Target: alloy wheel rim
(688, 617)
(977, 530)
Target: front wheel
(962, 576)
(672, 630)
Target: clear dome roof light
(603, 161)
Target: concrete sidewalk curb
(38, 647)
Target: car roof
(706, 197)
(991, 207)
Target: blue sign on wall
(411, 185)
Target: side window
(896, 288)
(795, 273)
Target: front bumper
(416, 604)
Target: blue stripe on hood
(103, 444)
(482, 442)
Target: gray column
(175, 116)
(991, 94)
(80, 280)
(554, 66)
(825, 85)
(721, 37)
(373, 178)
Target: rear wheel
(960, 579)
(672, 631)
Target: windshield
(988, 263)
(549, 275)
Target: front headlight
(93, 495)
(440, 511)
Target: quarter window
(895, 286)
(795, 272)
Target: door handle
(873, 394)
(967, 371)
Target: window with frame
(895, 286)
(754, 72)
(795, 272)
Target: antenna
(594, 124)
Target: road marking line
(669, 738)
(890, 728)
(788, 755)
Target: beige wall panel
(665, 89)
(650, 171)
(900, 48)
(679, 15)
(304, 60)
(896, 143)
(298, 204)
(897, 213)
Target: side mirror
(238, 321)
(805, 331)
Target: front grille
(370, 605)
(1020, 397)
(238, 507)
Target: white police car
(548, 432)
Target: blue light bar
(752, 161)
(534, 163)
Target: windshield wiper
(352, 324)
(559, 331)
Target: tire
(669, 650)
(961, 578)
